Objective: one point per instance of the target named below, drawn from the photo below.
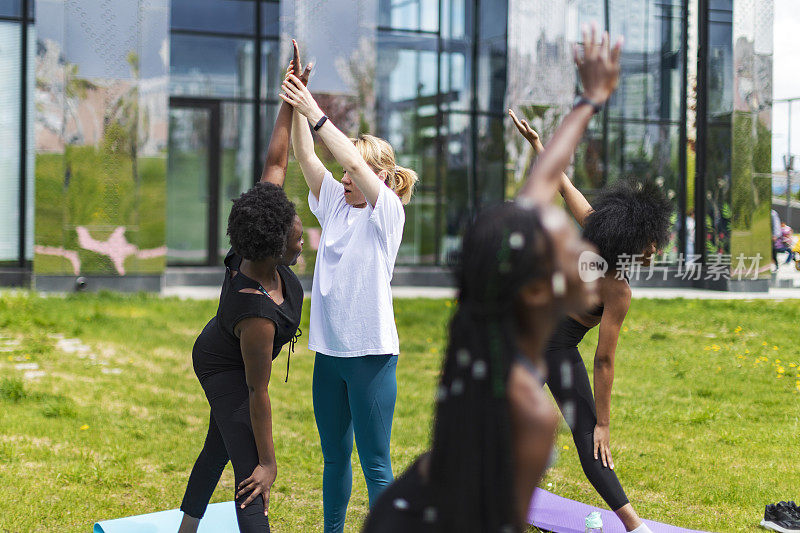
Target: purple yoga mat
(561, 515)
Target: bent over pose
(627, 220)
(259, 311)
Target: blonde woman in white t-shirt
(352, 321)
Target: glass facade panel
(211, 66)
(650, 80)
(419, 234)
(456, 75)
(271, 70)
(458, 189)
(441, 106)
(11, 8)
(490, 154)
(236, 175)
(218, 72)
(188, 175)
(218, 16)
(271, 18)
(421, 15)
(10, 113)
(456, 18)
(719, 127)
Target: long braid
(471, 459)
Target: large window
(16, 133)
(223, 82)
(638, 134)
(440, 89)
(719, 113)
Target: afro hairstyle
(260, 222)
(628, 216)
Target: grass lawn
(705, 425)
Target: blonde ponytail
(379, 155)
(404, 182)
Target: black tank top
(217, 349)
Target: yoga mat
(561, 515)
(219, 518)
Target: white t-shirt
(351, 299)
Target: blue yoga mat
(561, 515)
(547, 511)
(219, 518)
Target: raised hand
(527, 131)
(297, 95)
(598, 65)
(295, 67)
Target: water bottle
(594, 522)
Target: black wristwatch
(319, 124)
(580, 100)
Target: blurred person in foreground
(494, 427)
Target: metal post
(23, 140)
(257, 73)
(789, 169)
(702, 129)
(682, 174)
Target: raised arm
(278, 149)
(342, 148)
(303, 144)
(598, 67)
(575, 200)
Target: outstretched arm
(342, 148)
(278, 149)
(575, 200)
(616, 296)
(598, 67)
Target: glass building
(17, 45)
(145, 118)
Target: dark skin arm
(278, 149)
(256, 336)
(616, 297)
(576, 202)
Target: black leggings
(230, 437)
(569, 382)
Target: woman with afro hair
(628, 223)
(259, 312)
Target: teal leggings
(353, 395)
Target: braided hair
(471, 459)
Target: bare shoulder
(614, 291)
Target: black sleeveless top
(217, 348)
